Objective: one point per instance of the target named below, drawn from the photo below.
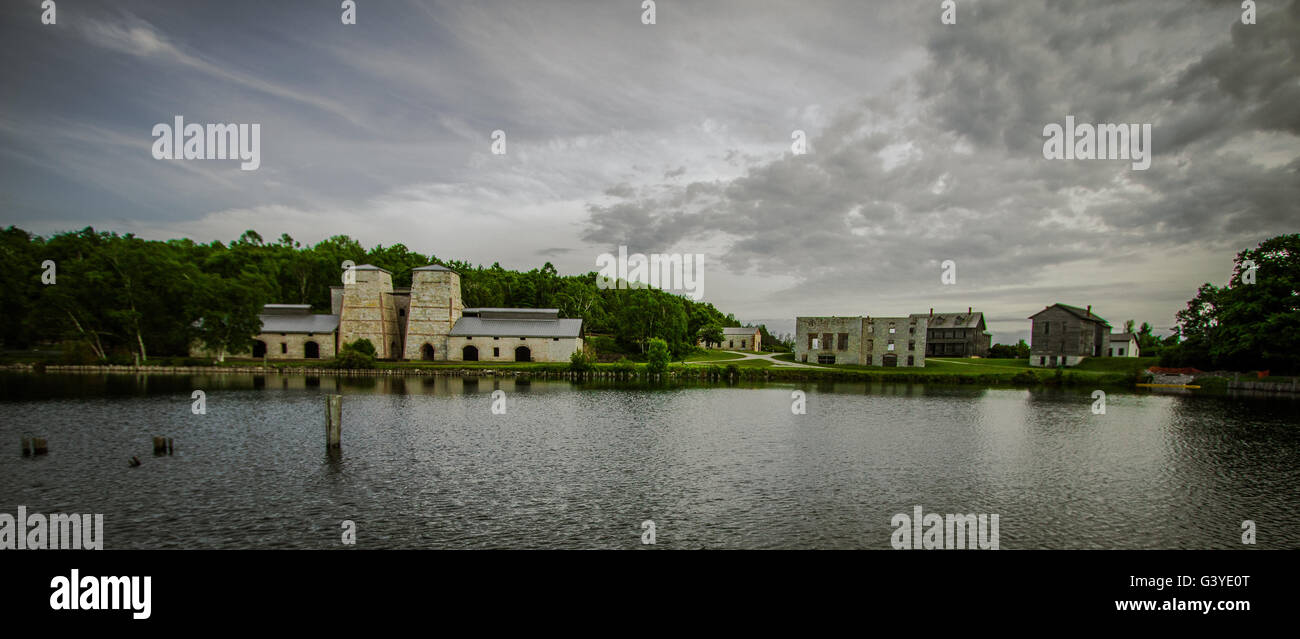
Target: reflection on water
(426, 464)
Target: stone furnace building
(427, 322)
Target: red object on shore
(1263, 374)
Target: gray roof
(433, 267)
(1081, 313)
(369, 267)
(478, 326)
(739, 330)
(299, 323)
(956, 320)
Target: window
(1047, 328)
(284, 348)
(891, 330)
(812, 342)
(911, 346)
(496, 338)
(911, 330)
(742, 343)
(828, 341)
(825, 359)
(844, 341)
(1042, 361)
(891, 346)
(731, 344)
(910, 360)
(401, 312)
(555, 339)
(1121, 352)
(496, 351)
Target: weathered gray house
(957, 335)
(1064, 335)
(869, 341)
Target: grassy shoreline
(991, 373)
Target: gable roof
(1080, 313)
(739, 330)
(1123, 337)
(956, 320)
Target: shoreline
(1024, 378)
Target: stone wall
(907, 340)
(541, 349)
(822, 328)
(280, 346)
(435, 305)
(369, 313)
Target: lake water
(426, 464)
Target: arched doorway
(469, 354)
(311, 350)
(426, 352)
(259, 348)
(522, 354)
(891, 360)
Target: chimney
(968, 309)
(932, 312)
(1090, 310)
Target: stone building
(289, 331)
(957, 335)
(1065, 335)
(738, 338)
(868, 341)
(427, 321)
(514, 335)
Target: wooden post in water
(170, 448)
(160, 446)
(27, 447)
(39, 447)
(333, 421)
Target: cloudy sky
(924, 140)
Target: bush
(657, 357)
(77, 353)
(363, 346)
(625, 366)
(579, 362)
(358, 354)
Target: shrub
(579, 362)
(363, 346)
(657, 356)
(625, 367)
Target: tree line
(110, 296)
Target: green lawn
(712, 356)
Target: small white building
(1123, 345)
(738, 338)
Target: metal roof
(957, 320)
(478, 326)
(305, 323)
(433, 267)
(739, 330)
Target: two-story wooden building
(957, 334)
(1064, 335)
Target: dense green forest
(111, 296)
